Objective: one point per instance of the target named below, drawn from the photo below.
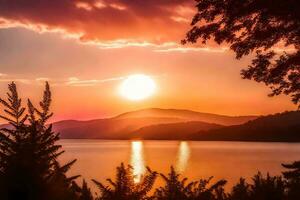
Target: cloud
(102, 21)
(42, 79)
(118, 6)
(74, 81)
(121, 43)
(71, 81)
(180, 19)
(196, 49)
(18, 80)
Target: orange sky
(86, 48)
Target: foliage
(260, 26)
(124, 188)
(292, 177)
(85, 192)
(177, 189)
(28, 152)
(240, 191)
(262, 188)
(268, 188)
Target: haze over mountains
(280, 127)
(127, 125)
(174, 124)
(187, 115)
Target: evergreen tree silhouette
(174, 189)
(292, 177)
(29, 169)
(240, 191)
(203, 190)
(124, 187)
(178, 189)
(85, 192)
(267, 188)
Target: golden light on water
(137, 160)
(183, 156)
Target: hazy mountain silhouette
(281, 127)
(173, 131)
(188, 115)
(171, 124)
(126, 125)
(106, 128)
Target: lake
(97, 159)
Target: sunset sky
(87, 48)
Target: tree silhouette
(85, 192)
(174, 188)
(260, 26)
(178, 189)
(29, 168)
(267, 188)
(292, 177)
(240, 191)
(124, 187)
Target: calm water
(97, 159)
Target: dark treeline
(29, 168)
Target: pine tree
(28, 153)
(202, 189)
(292, 177)
(267, 188)
(240, 191)
(85, 192)
(174, 188)
(11, 142)
(124, 188)
(178, 189)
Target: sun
(137, 87)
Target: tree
(85, 192)
(240, 191)
(124, 188)
(174, 188)
(178, 189)
(260, 26)
(267, 188)
(292, 177)
(29, 168)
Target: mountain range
(175, 124)
(128, 125)
(280, 127)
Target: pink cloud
(102, 20)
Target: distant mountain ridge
(280, 127)
(126, 125)
(173, 124)
(106, 128)
(173, 131)
(188, 115)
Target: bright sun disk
(137, 87)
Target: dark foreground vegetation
(29, 168)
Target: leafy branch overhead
(250, 26)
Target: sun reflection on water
(183, 156)
(137, 160)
